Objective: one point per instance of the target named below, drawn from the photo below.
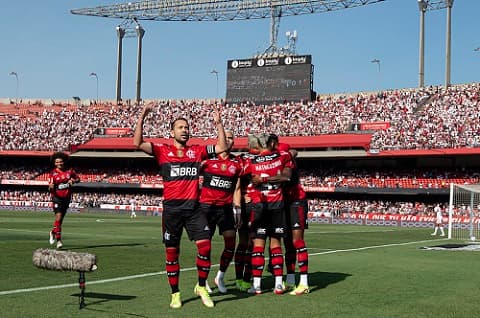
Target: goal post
(463, 212)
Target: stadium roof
(216, 10)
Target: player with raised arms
(179, 166)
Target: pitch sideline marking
(26, 290)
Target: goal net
(463, 212)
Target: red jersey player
(243, 252)
(60, 180)
(220, 200)
(267, 219)
(296, 208)
(180, 166)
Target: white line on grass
(346, 232)
(372, 247)
(77, 234)
(26, 290)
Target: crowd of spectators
(323, 206)
(340, 207)
(433, 178)
(85, 199)
(449, 120)
(424, 118)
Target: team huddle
(248, 194)
(256, 196)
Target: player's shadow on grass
(320, 280)
(102, 297)
(317, 280)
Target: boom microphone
(66, 261)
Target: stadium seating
(426, 118)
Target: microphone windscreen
(64, 260)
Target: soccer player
(179, 166)
(296, 208)
(60, 180)
(133, 214)
(243, 252)
(220, 200)
(438, 220)
(268, 170)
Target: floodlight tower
(120, 35)
(448, 48)
(140, 32)
(210, 10)
(423, 6)
(129, 28)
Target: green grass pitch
(355, 271)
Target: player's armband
(211, 151)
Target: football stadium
(351, 204)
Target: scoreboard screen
(270, 80)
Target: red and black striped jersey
(293, 190)
(267, 164)
(180, 170)
(244, 178)
(220, 177)
(59, 179)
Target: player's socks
(227, 254)
(276, 259)
(258, 262)
(203, 261)
(302, 256)
(172, 268)
(220, 282)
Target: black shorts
(265, 222)
(60, 205)
(174, 220)
(297, 215)
(221, 216)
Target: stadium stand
(427, 118)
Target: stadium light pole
(216, 76)
(378, 63)
(120, 35)
(140, 33)
(96, 77)
(16, 77)
(448, 46)
(422, 6)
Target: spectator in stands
(424, 118)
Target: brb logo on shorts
(179, 171)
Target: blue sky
(53, 52)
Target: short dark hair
(59, 155)
(272, 138)
(172, 125)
